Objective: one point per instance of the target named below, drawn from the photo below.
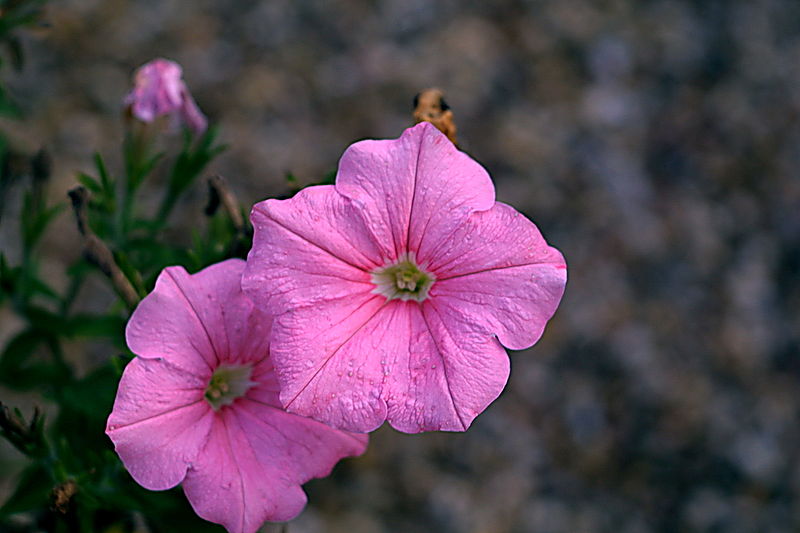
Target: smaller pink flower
(159, 90)
(199, 405)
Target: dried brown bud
(430, 106)
(62, 496)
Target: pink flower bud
(159, 90)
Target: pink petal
(415, 188)
(474, 367)
(446, 378)
(242, 329)
(294, 448)
(497, 272)
(254, 462)
(157, 90)
(191, 114)
(268, 390)
(325, 369)
(313, 247)
(227, 486)
(196, 321)
(371, 361)
(159, 422)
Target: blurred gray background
(655, 142)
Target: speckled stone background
(655, 142)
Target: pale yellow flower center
(228, 383)
(403, 280)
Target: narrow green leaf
(41, 288)
(90, 183)
(102, 171)
(18, 349)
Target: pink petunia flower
(394, 289)
(199, 405)
(159, 90)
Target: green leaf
(120, 361)
(17, 351)
(8, 276)
(330, 177)
(90, 183)
(130, 271)
(22, 368)
(77, 273)
(148, 166)
(41, 288)
(102, 171)
(35, 221)
(187, 168)
(46, 321)
(90, 397)
(86, 325)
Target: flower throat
(227, 384)
(404, 280)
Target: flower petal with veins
(395, 289)
(241, 460)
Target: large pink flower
(159, 90)
(199, 405)
(394, 289)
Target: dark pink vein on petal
(197, 316)
(228, 354)
(329, 300)
(414, 192)
(333, 326)
(158, 415)
(345, 261)
(424, 232)
(444, 361)
(333, 275)
(458, 257)
(238, 469)
(272, 427)
(334, 352)
(541, 263)
(473, 250)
